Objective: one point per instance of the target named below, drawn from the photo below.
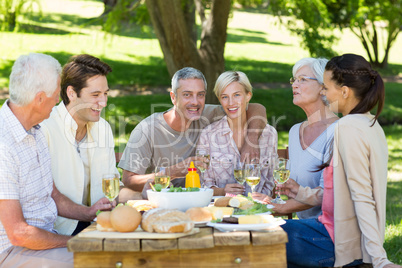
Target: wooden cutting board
(137, 234)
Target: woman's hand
(263, 198)
(234, 188)
(289, 188)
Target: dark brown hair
(355, 72)
(78, 70)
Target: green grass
(256, 44)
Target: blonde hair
(226, 78)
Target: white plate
(246, 227)
(200, 223)
(265, 213)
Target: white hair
(317, 65)
(31, 74)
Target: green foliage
(12, 12)
(375, 23)
(126, 13)
(312, 24)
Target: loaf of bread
(161, 220)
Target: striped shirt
(223, 150)
(25, 173)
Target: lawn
(256, 44)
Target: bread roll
(222, 202)
(125, 218)
(103, 223)
(199, 214)
(161, 220)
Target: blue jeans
(309, 245)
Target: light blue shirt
(303, 163)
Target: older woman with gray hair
(226, 137)
(309, 141)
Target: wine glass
(202, 152)
(162, 176)
(238, 171)
(111, 185)
(281, 175)
(252, 174)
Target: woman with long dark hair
(352, 226)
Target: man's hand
(180, 169)
(234, 188)
(289, 188)
(102, 204)
(147, 186)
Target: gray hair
(187, 73)
(228, 77)
(31, 74)
(317, 65)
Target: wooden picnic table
(208, 248)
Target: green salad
(179, 189)
(255, 209)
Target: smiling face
(93, 98)
(234, 100)
(333, 92)
(306, 91)
(189, 100)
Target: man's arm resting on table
(71, 210)
(21, 234)
(257, 120)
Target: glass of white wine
(238, 171)
(281, 175)
(252, 174)
(111, 186)
(203, 152)
(162, 176)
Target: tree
(12, 10)
(376, 24)
(175, 28)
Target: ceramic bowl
(180, 200)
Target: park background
(256, 44)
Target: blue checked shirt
(25, 173)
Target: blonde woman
(226, 137)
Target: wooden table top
(208, 237)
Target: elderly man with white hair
(29, 200)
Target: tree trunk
(170, 21)
(109, 5)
